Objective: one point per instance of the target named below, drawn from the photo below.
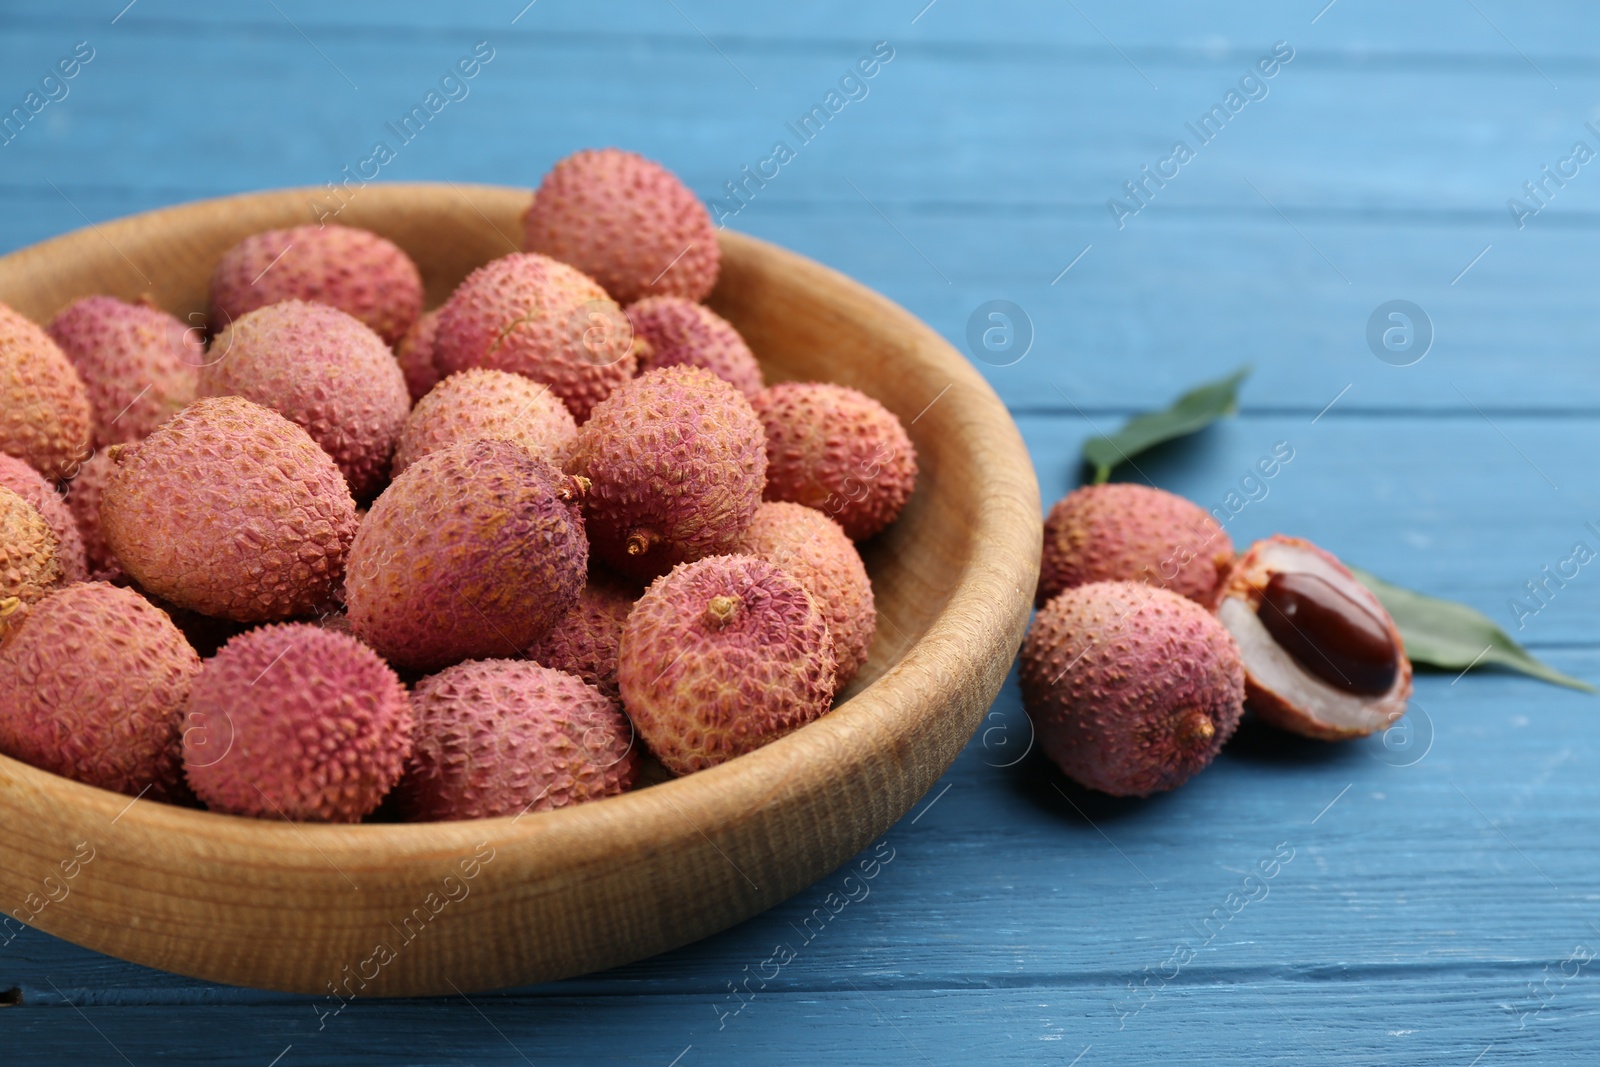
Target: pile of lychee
(1152, 639)
(333, 556)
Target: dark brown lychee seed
(1328, 633)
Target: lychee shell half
(323, 370)
(44, 407)
(296, 722)
(505, 737)
(1121, 532)
(836, 449)
(139, 363)
(230, 509)
(676, 460)
(487, 404)
(720, 657)
(356, 271)
(584, 641)
(474, 552)
(92, 687)
(627, 222)
(1132, 689)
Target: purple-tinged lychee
(1132, 689)
(82, 493)
(720, 657)
(139, 363)
(627, 222)
(584, 641)
(414, 353)
(506, 737)
(676, 460)
(44, 407)
(681, 332)
(487, 404)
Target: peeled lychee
(92, 687)
(681, 332)
(505, 737)
(474, 552)
(676, 460)
(1322, 657)
(322, 370)
(584, 641)
(531, 315)
(353, 270)
(487, 404)
(1132, 689)
(721, 657)
(1120, 532)
(30, 485)
(44, 407)
(140, 364)
(838, 450)
(627, 222)
(811, 548)
(30, 564)
(230, 509)
(296, 722)
(414, 353)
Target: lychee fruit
(505, 737)
(531, 315)
(474, 552)
(356, 271)
(813, 549)
(720, 657)
(1132, 689)
(30, 485)
(836, 449)
(30, 561)
(487, 404)
(1120, 532)
(681, 332)
(584, 641)
(627, 222)
(676, 460)
(82, 495)
(139, 363)
(1321, 655)
(415, 355)
(230, 509)
(92, 687)
(44, 407)
(296, 722)
(323, 370)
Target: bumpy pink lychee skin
(1132, 689)
(31, 486)
(813, 549)
(504, 737)
(681, 332)
(30, 564)
(230, 509)
(627, 222)
(530, 315)
(82, 494)
(354, 270)
(94, 682)
(1121, 532)
(584, 641)
(474, 552)
(323, 370)
(721, 657)
(487, 404)
(836, 449)
(296, 722)
(44, 407)
(415, 355)
(139, 363)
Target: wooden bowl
(450, 907)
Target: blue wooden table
(1434, 895)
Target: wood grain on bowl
(451, 907)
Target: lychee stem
(638, 543)
(720, 609)
(1196, 728)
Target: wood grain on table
(1440, 900)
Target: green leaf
(1194, 410)
(1441, 633)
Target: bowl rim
(906, 725)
